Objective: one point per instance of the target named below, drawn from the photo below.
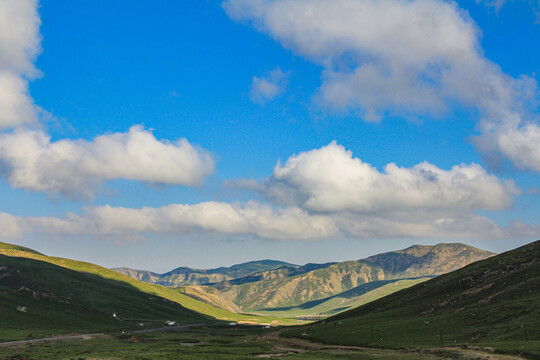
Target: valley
(407, 299)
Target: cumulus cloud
(9, 226)
(420, 201)
(72, 168)
(16, 105)
(325, 193)
(19, 45)
(518, 144)
(20, 41)
(404, 57)
(266, 88)
(257, 220)
(330, 179)
(218, 218)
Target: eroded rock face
(284, 287)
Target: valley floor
(221, 343)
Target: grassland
(350, 299)
(494, 302)
(209, 343)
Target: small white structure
(170, 323)
(22, 308)
(232, 324)
(114, 315)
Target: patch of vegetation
(198, 343)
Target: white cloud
(320, 194)
(365, 203)
(518, 144)
(19, 45)
(260, 221)
(29, 160)
(20, 41)
(16, 105)
(9, 226)
(404, 57)
(218, 218)
(265, 88)
(330, 179)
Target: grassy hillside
(91, 287)
(494, 302)
(185, 276)
(209, 296)
(291, 287)
(346, 300)
(43, 299)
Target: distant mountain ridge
(183, 276)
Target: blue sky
(207, 133)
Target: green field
(210, 343)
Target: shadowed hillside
(41, 298)
(494, 302)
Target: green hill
(43, 299)
(286, 287)
(494, 302)
(346, 300)
(62, 295)
(209, 296)
(185, 276)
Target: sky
(196, 133)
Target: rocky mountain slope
(286, 287)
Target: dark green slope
(56, 300)
(494, 302)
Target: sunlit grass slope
(493, 302)
(346, 300)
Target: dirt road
(285, 346)
(92, 336)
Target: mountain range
(273, 286)
(187, 276)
